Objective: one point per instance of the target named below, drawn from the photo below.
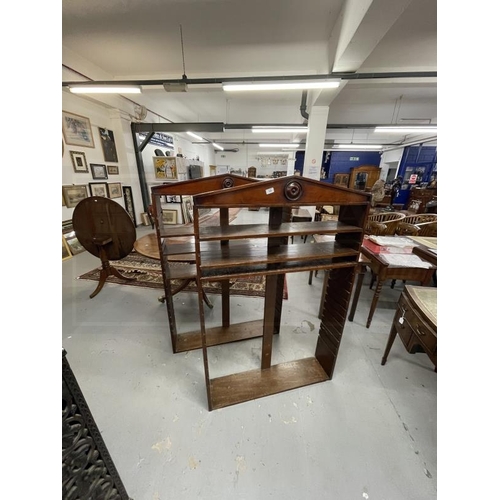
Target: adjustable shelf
(176, 245)
(227, 252)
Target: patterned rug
(148, 275)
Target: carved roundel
(293, 190)
(227, 182)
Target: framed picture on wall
(79, 161)
(74, 194)
(113, 170)
(108, 145)
(172, 198)
(129, 203)
(169, 216)
(114, 190)
(77, 130)
(98, 171)
(98, 189)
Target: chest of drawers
(415, 322)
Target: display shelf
(176, 244)
(227, 252)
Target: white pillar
(315, 143)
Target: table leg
(378, 288)
(388, 346)
(359, 284)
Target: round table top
(147, 245)
(98, 220)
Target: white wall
(119, 122)
(390, 159)
(245, 158)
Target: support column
(315, 144)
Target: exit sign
(354, 158)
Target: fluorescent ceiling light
(105, 89)
(234, 87)
(407, 129)
(217, 146)
(358, 146)
(196, 136)
(277, 130)
(279, 145)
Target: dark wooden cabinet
(341, 179)
(420, 197)
(364, 177)
(227, 252)
(415, 322)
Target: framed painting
(108, 145)
(77, 130)
(98, 189)
(98, 171)
(172, 198)
(165, 168)
(169, 216)
(74, 194)
(79, 161)
(66, 253)
(113, 170)
(74, 244)
(187, 209)
(129, 203)
(114, 190)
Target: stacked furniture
(229, 251)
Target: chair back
(390, 219)
(427, 229)
(419, 218)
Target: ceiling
(158, 40)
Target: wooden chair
(405, 229)
(427, 229)
(376, 228)
(419, 218)
(390, 219)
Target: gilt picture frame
(77, 130)
(169, 216)
(73, 194)
(115, 190)
(79, 162)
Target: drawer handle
(422, 334)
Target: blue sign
(159, 139)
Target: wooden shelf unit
(250, 249)
(176, 244)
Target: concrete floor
(369, 433)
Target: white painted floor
(369, 433)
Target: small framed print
(98, 171)
(77, 130)
(187, 209)
(169, 216)
(128, 198)
(172, 198)
(66, 253)
(113, 169)
(74, 194)
(79, 161)
(98, 189)
(114, 190)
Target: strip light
(217, 146)
(407, 129)
(358, 146)
(192, 134)
(234, 87)
(106, 89)
(279, 145)
(279, 130)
